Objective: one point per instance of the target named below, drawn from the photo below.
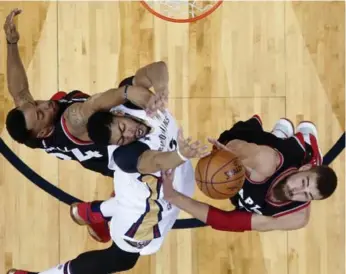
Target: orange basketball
(220, 175)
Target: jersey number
(79, 155)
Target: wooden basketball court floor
(272, 58)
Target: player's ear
(45, 132)
(118, 113)
(305, 167)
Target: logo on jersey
(248, 203)
(140, 230)
(138, 245)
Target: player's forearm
(263, 223)
(154, 75)
(77, 114)
(154, 161)
(17, 80)
(293, 221)
(197, 209)
(107, 100)
(118, 96)
(236, 221)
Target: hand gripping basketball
(188, 150)
(220, 175)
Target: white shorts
(127, 208)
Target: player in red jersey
(284, 174)
(59, 125)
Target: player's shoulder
(292, 150)
(74, 96)
(126, 157)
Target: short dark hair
(326, 180)
(99, 127)
(16, 126)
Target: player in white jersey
(138, 214)
(141, 216)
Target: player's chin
(129, 141)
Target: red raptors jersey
(62, 144)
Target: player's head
(32, 120)
(106, 128)
(309, 183)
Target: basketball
(220, 175)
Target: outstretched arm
(138, 157)
(236, 221)
(17, 80)
(154, 161)
(260, 161)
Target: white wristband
(181, 156)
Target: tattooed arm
(17, 80)
(77, 115)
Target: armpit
(23, 97)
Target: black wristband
(125, 92)
(9, 43)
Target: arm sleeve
(126, 157)
(236, 220)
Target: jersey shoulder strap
(75, 96)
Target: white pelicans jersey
(141, 216)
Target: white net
(181, 9)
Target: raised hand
(11, 32)
(217, 145)
(191, 150)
